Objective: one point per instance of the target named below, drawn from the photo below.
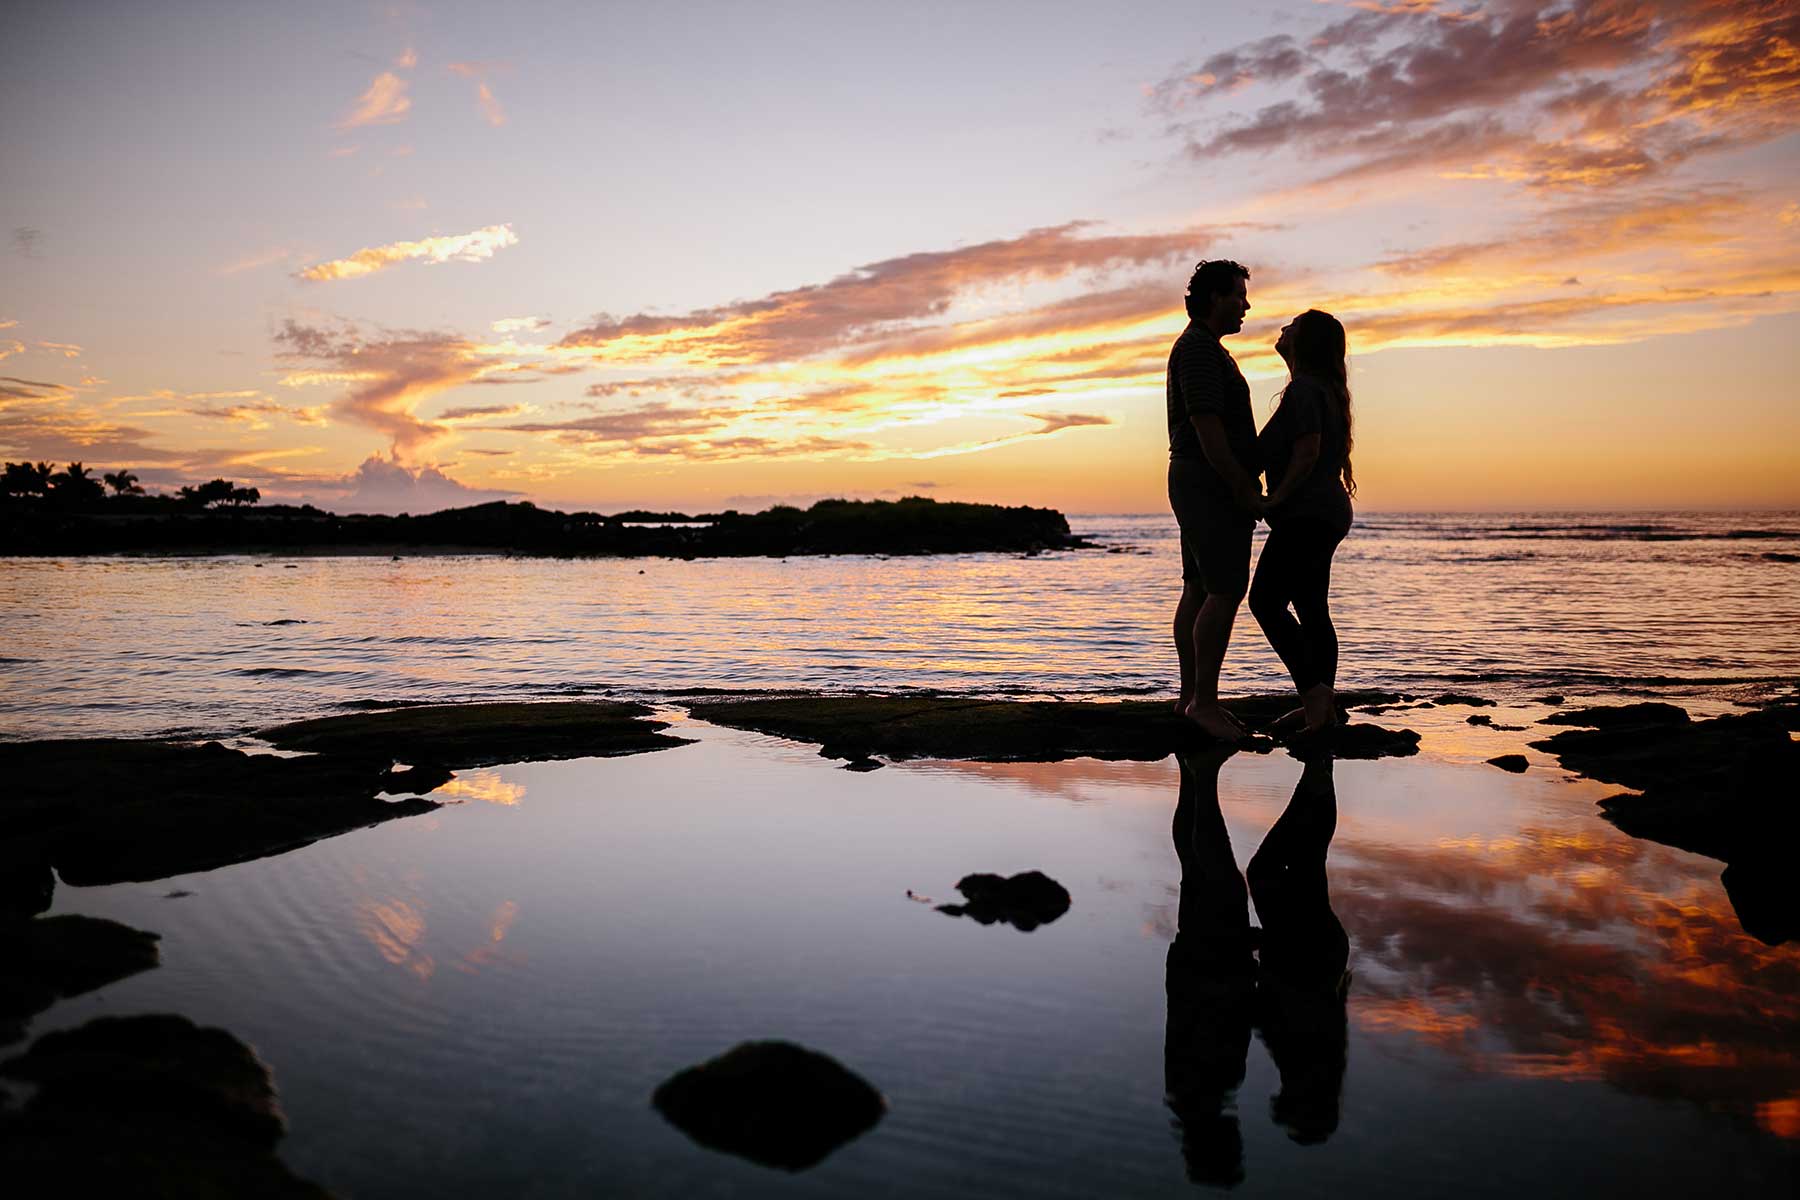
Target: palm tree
(76, 485)
(124, 483)
(25, 479)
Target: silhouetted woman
(1305, 449)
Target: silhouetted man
(1212, 486)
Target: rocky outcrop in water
(52, 958)
(146, 1106)
(857, 727)
(915, 525)
(772, 1102)
(1024, 901)
(1722, 787)
(456, 736)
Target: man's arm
(1217, 448)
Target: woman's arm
(1299, 468)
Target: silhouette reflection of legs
(1211, 982)
(1302, 983)
(1217, 989)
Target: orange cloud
(385, 103)
(462, 247)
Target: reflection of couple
(1222, 979)
(1215, 456)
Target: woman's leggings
(1295, 569)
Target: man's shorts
(1215, 535)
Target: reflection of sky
(534, 971)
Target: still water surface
(1688, 606)
(479, 1001)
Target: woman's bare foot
(1289, 721)
(1319, 703)
(1214, 721)
(1181, 704)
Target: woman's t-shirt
(1308, 407)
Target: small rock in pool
(1480, 719)
(1464, 698)
(1023, 901)
(773, 1103)
(1516, 763)
(1551, 699)
(864, 764)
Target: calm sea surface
(1689, 605)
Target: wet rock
(113, 810)
(771, 1102)
(864, 764)
(1464, 698)
(147, 1106)
(51, 958)
(1780, 556)
(475, 735)
(1024, 901)
(1479, 719)
(1762, 894)
(1515, 763)
(1620, 716)
(1551, 700)
(27, 885)
(1359, 740)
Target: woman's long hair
(1319, 350)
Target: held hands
(1254, 502)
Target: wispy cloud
(65, 349)
(385, 103)
(491, 111)
(463, 247)
(388, 375)
(519, 324)
(881, 299)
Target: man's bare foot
(1213, 721)
(1181, 704)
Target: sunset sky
(398, 257)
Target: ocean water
(480, 1000)
(1699, 607)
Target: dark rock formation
(1463, 698)
(915, 525)
(473, 735)
(1516, 763)
(147, 1106)
(928, 726)
(1723, 788)
(1620, 716)
(1023, 901)
(112, 810)
(773, 1103)
(1360, 740)
(52, 958)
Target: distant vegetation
(33, 485)
(43, 511)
